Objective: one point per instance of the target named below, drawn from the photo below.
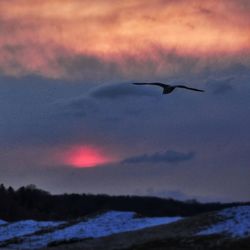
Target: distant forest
(29, 202)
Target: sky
(71, 121)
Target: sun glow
(85, 156)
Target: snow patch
(103, 225)
(3, 222)
(236, 223)
(22, 228)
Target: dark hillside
(32, 203)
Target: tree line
(30, 202)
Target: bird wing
(152, 83)
(185, 87)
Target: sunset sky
(71, 121)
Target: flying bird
(166, 87)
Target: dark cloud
(77, 107)
(222, 88)
(236, 69)
(169, 156)
(221, 85)
(116, 91)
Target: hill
(32, 203)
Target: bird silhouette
(167, 89)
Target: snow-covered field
(21, 228)
(2, 222)
(236, 222)
(103, 225)
(29, 234)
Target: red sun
(85, 156)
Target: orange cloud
(51, 38)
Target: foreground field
(30, 234)
(225, 229)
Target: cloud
(221, 85)
(122, 90)
(108, 40)
(222, 88)
(77, 107)
(98, 102)
(169, 156)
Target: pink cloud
(47, 38)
